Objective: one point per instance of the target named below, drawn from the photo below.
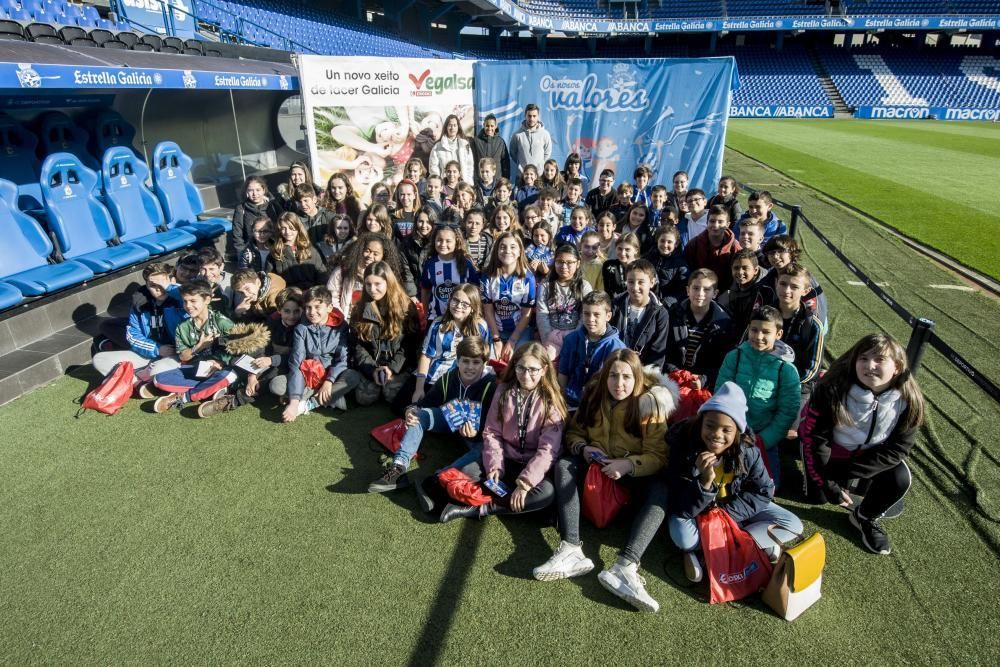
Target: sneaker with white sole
(393, 478)
(145, 390)
(624, 581)
(873, 535)
(692, 567)
(217, 406)
(168, 402)
(568, 561)
(219, 394)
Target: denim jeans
(650, 491)
(433, 420)
(684, 532)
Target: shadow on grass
(442, 614)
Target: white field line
(960, 288)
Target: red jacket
(702, 255)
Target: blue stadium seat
(59, 134)
(18, 163)
(178, 195)
(26, 251)
(110, 130)
(82, 226)
(9, 296)
(134, 209)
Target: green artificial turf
(144, 538)
(933, 181)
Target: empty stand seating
(110, 129)
(26, 253)
(134, 209)
(769, 77)
(82, 226)
(58, 133)
(178, 195)
(18, 162)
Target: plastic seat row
(98, 223)
(73, 35)
(55, 11)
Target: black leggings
(538, 498)
(880, 492)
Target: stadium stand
(771, 78)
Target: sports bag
(735, 566)
(797, 578)
(113, 392)
(602, 498)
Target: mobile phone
(599, 457)
(497, 488)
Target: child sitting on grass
(860, 426)
(763, 368)
(256, 294)
(320, 340)
(585, 349)
(200, 347)
(470, 379)
(713, 462)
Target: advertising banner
(780, 111)
(34, 76)
(668, 114)
(926, 113)
(367, 117)
(166, 17)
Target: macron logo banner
(669, 114)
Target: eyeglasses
(461, 305)
(528, 370)
(566, 262)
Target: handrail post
(918, 342)
(793, 224)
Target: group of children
(540, 328)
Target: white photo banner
(367, 117)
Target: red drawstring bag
(421, 313)
(498, 366)
(691, 398)
(390, 435)
(313, 372)
(602, 498)
(735, 565)
(113, 392)
(461, 488)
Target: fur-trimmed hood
(664, 390)
(248, 338)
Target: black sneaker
(873, 535)
(394, 478)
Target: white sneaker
(692, 567)
(567, 561)
(307, 406)
(625, 582)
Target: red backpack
(114, 390)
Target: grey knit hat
(729, 400)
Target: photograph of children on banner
(373, 144)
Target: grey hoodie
(530, 146)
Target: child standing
(861, 424)
(503, 195)
(678, 196)
(641, 319)
(573, 168)
(383, 332)
(508, 294)
(752, 237)
(803, 330)
(448, 266)
(714, 249)
(573, 199)
(339, 234)
(316, 220)
(671, 266)
(613, 273)
(579, 222)
(602, 198)
(559, 300)
(504, 220)
(255, 254)
(256, 202)
(527, 190)
(339, 197)
(641, 192)
(747, 292)
(783, 250)
(413, 247)
(700, 332)
(585, 349)
(713, 461)
(294, 258)
(622, 419)
(760, 367)
(521, 440)
(623, 200)
(552, 178)
(593, 259)
(696, 215)
(540, 253)
(760, 205)
(657, 206)
(607, 234)
(320, 340)
(433, 195)
(407, 204)
(478, 242)
(486, 180)
(728, 195)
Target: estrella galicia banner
(367, 117)
(166, 17)
(668, 114)
(30, 76)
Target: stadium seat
(134, 209)
(18, 163)
(25, 255)
(42, 33)
(178, 195)
(129, 38)
(82, 226)
(114, 44)
(11, 30)
(152, 40)
(110, 130)
(9, 296)
(59, 134)
(71, 32)
(100, 35)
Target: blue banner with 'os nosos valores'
(668, 114)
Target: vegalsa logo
(622, 94)
(427, 85)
